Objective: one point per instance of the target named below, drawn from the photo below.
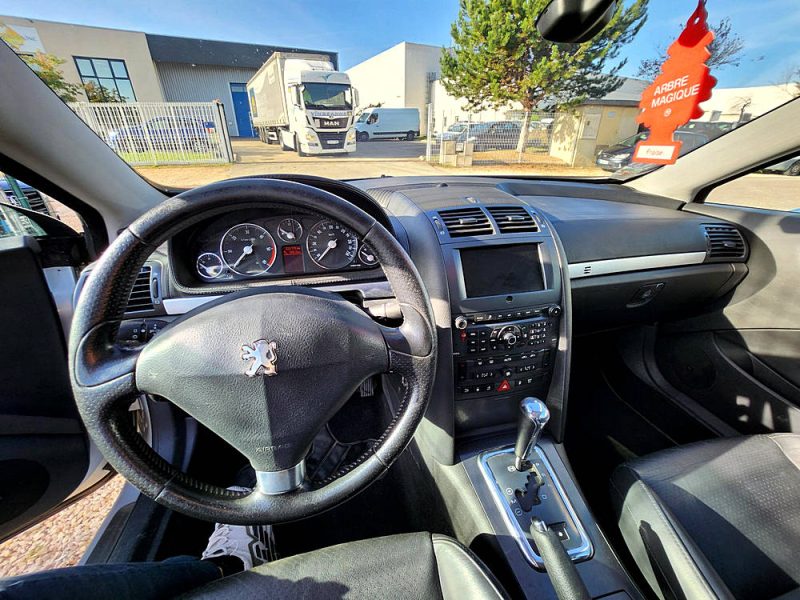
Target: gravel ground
(61, 540)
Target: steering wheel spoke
(104, 370)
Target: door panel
(742, 360)
(241, 109)
(43, 447)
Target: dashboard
(259, 244)
(514, 268)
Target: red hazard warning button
(504, 386)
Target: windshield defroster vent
(141, 297)
(513, 219)
(463, 222)
(724, 242)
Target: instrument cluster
(254, 244)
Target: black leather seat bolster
(461, 573)
(664, 552)
(415, 565)
(718, 519)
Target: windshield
(459, 87)
(323, 96)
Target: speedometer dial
(247, 249)
(331, 245)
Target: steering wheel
(263, 368)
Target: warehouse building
(400, 77)
(133, 66)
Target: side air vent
(141, 298)
(724, 242)
(463, 222)
(513, 219)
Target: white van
(386, 123)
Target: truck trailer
(301, 102)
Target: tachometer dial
(290, 230)
(247, 249)
(331, 245)
(367, 256)
(209, 265)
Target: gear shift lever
(533, 416)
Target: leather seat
(415, 565)
(718, 519)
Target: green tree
(498, 56)
(46, 66)
(726, 50)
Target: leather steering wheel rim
(106, 377)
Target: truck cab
(303, 103)
(323, 102)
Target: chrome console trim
(634, 263)
(585, 550)
(273, 483)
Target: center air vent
(463, 222)
(513, 219)
(141, 298)
(724, 242)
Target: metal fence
(472, 140)
(160, 133)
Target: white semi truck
(302, 103)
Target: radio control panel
(502, 352)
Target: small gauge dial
(209, 265)
(290, 230)
(331, 245)
(367, 256)
(247, 249)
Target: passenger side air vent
(724, 242)
(463, 222)
(141, 298)
(513, 219)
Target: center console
(506, 308)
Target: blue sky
(358, 29)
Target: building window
(105, 80)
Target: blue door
(241, 109)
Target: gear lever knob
(533, 416)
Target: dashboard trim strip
(634, 263)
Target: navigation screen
(496, 270)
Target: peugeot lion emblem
(264, 356)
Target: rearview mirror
(574, 21)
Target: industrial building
(134, 66)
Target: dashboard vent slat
(513, 219)
(724, 242)
(140, 298)
(463, 222)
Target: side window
(13, 223)
(373, 118)
(776, 187)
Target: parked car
(491, 135)
(620, 154)
(388, 123)
(711, 129)
(786, 167)
(164, 133)
(455, 131)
